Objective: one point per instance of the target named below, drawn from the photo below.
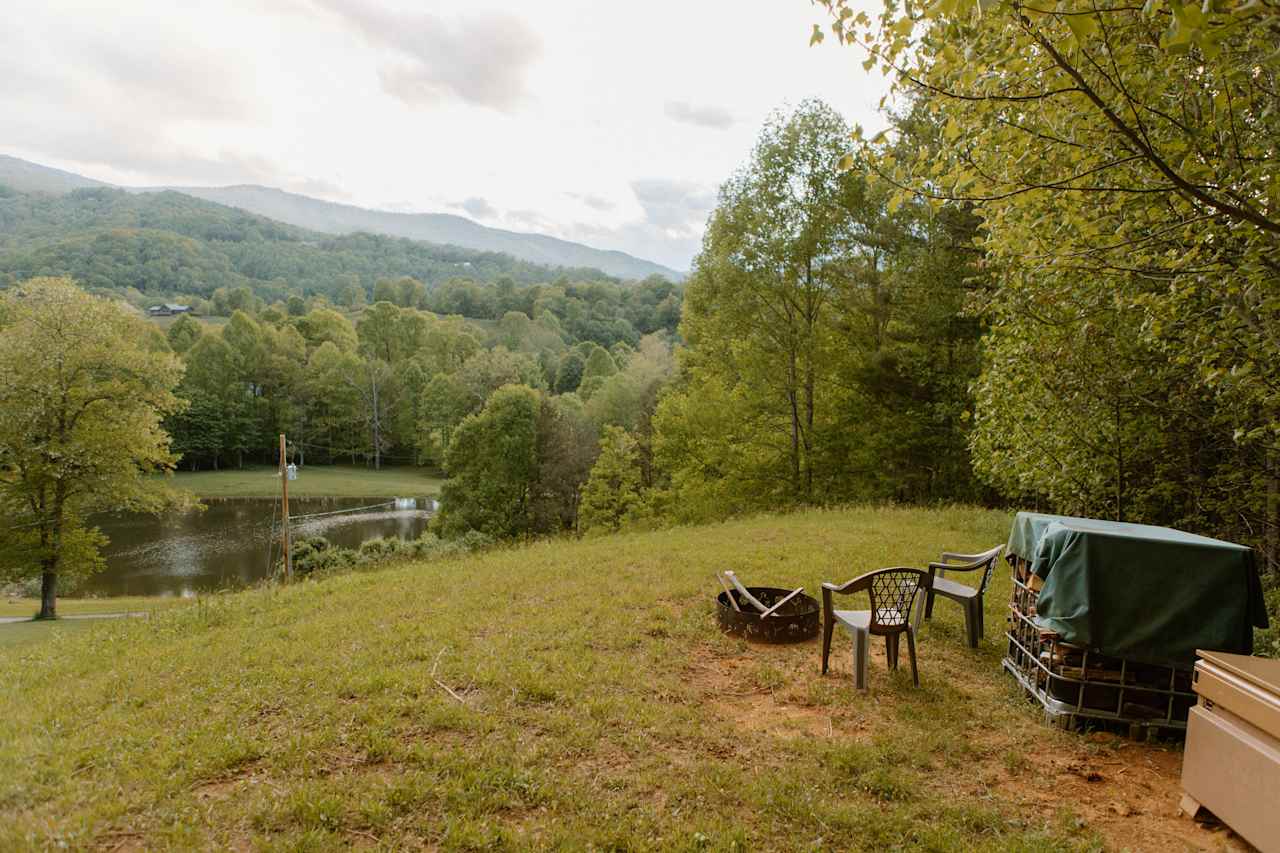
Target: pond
(231, 542)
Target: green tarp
(1149, 594)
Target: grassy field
(561, 695)
(314, 481)
(18, 633)
(13, 606)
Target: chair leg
(982, 619)
(861, 647)
(928, 604)
(972, 615)
(911, 653)
(891, 649)
(827, 626)
(918, 612)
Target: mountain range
(333, 218)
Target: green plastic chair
(892, 592)
(968, 597)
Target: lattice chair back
(892, 593)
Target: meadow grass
(591, 703)
(314, 481)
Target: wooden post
(284, 512)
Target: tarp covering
(1148, 594)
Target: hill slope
(330, 218)
(27, 177)
(596, 705)
(169, 243)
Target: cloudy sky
(610, 124)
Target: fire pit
(796, 620)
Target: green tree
(566, 447)
(81, 403)
(183, 334)
(324, 324)
(612, 494)
(493, 467)
(761, 301)
(569, 373)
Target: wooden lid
(1263, 673)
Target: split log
(751, 599)
(728, 592)
(788, 597)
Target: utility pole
(284, 512)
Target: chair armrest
(961, 558)
(859, 583)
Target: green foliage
(492, 464)
(183, 334)
(1120, 160)
(826, 360)
(82, 395)
(612, 497)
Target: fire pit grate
(790, 616)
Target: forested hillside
(169, 244)
(330, 218)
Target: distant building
(168, 309)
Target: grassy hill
(563, 694)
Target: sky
(609, 124)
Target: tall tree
(82, 398)
(493, 467)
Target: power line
(340, 511)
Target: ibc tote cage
(1076, 686)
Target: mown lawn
(314, 481)
(12, 606)
(597, 707)
(17, 633)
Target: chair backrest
(892, 592)
(986, 561)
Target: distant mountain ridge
(27, 177)
(334, 218)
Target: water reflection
(230, 543)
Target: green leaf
(1082, 26)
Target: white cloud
(704, 115)
(476, 208)
(476, 60)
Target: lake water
(229, 544)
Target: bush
(314, 556)
(379, 549)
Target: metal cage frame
(1036, 659)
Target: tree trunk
(48, 593)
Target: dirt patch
(1126, 791)
(761, 692)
